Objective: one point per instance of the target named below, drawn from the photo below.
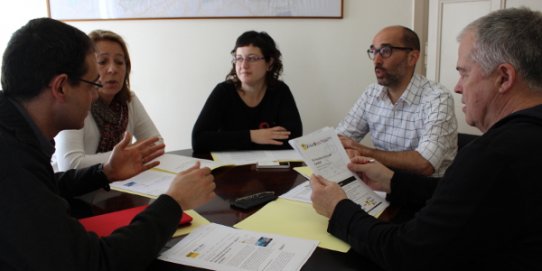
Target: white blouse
(77, 148)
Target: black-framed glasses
(385, 51)
(249, 59)
(96, 85)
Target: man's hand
(128, 160)
(325, 195)
(269, 136)
(192, 187)
(353, 148)
(373, 173)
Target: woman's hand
(269, 136)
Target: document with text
(219, 247)
(253, 157)
(323, 152)
(156, 181)
(177, 163)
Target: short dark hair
(269, 50)
(40, 50)
(410, 39)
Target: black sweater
(225, 120)
(485, 213)
(36, 229)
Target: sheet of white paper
(151, 182)
(323, 152)
(253, 157)
(177, 163)
(218, 247)
(301, 192)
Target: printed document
(156, 181)
(252, 157)
(302, 192)
(323, 152)
(176, 163)
(219, 247)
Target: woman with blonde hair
(116, 111)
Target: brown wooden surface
(233, 182)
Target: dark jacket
(225, 120)
(485, 213)
(36, 229)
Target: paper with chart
(323, 152)
(218, 247)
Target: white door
(446, 19)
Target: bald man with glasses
(411, 119)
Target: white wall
(176, 63)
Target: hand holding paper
(374, 174)
(323, 152)
(325, 195)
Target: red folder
(104, 225)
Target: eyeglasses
(384, 51)
(249, 59)
(96, 85)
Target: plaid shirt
(423, 119)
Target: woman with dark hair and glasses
(116, 111)
(252, 109)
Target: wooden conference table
(231, 183)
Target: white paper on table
(177, 163)
(156, 181)
(218, 247)
(302, 192)
(151, 183)
(323, 152)
(253, 157)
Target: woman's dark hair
(269, 50)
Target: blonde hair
(124, 94)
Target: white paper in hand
(323, 152)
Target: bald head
(404, 35)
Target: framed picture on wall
(86, 10)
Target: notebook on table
(104, 225)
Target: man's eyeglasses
(96, 85)
(385, 51)
(249, 59)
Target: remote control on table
(254, 200)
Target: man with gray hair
(485, 213)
